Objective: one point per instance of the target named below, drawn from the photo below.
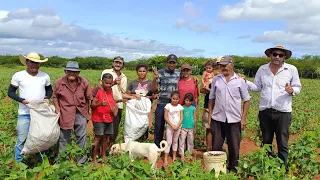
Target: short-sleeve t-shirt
(103, 113)
(168, 82)
(187, 86)
(141, 88)
(31, 88)
(174, 113)
(188, 117)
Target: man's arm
(49, 92)
(12, 93)
(295, 83)
(255, 86)
(154, 85)
(246, 106)
(56, 97)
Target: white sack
(137, 118)
(44, 129)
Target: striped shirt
(168, 82)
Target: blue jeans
(22, 132)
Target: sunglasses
(276, 54)
(186, 70)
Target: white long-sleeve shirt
(272, 87)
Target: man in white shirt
(277, 83)
(33, 85)
(119, 89)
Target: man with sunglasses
(226, 117)
(164, 81)
(277, 83)
(118, 90)
(33, 85)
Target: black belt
(272, 110)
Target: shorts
(205, 115)
(102, 128)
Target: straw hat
(32, 57)
(287, 52)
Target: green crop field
(304, 161)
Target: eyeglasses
(276, 54)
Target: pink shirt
(228, 98)
(187, 86)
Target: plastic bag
(44, 130)
(137, 118)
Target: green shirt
(188, 117)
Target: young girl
(104, 109)
(173, 115)
(188, 125)
(208, 74)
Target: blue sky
(135, 29)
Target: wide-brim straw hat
(33, 56)
(287, 52)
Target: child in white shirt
(173, 115)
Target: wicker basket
(215, 160)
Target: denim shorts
(102, 128)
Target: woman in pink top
(188, 84)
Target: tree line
(308, 65)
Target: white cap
(219, 59)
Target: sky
(141, 28)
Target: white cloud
(300, 17)
(189, 20)
(200, 28)
(190, 10)
(25, 30)
(3, 14)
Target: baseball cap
(219, 59)
(185, 66)
(172, 57)
(118, 58)
(225, 60)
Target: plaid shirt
(168, 82)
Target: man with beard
(227, 92)
(71, 98)
(118, 90)
(33, 85)
(277, 83)
(167, 80)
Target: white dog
(136, 149)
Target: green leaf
(37, 169)
(23, 166)
(254, 169)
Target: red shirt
(187, 86)
(103, 113)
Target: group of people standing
(226, 103)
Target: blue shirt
(188, 117)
